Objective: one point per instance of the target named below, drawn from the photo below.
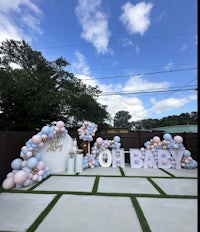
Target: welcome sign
(55, 153)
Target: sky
(141, 54)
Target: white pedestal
(79, 163)
(71, 163)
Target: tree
(121, 119)
(35, 92)
(172, 120)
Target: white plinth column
(71, 164)
(79, 163)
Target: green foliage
(34, 92)
(173, 120)
(121, 119)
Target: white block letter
(177, 154)
(163, 158)
(136, 158)
(149, 161)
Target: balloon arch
(30, 168)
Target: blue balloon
(194, 164)
(38, 156)
(31, 182)
(118, 150)
(187, 153)
(116, 139)
(167, 137)
(46, 130)
(51, 135)
(24, 149)
(32, 162)
(16, 164)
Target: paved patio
(105, 199)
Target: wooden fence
(12, 141)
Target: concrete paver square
(67, 183)
(166, 215)
(128, 171)
(91, 213)
(183, 172)
(102, 171)
(177, 186)
(126, 185)
(19, 211)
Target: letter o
(109, 161)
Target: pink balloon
(44, 136)
(41, 144)
(60, 124)
(26, 182)
(40, 173)
(36, 139)
(99, 140)
(39, 178)
(30, 175)
(29, 154)
(40, 165)
(178, 139)
(23, 164)
(10, 174)
(20, 177)
(8, 183)
(35, 177)
(22, 155)
(156, 139)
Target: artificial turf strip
(140, 214)
(122, 171)
(156, 186)
(41, 217)
(168, 173)
(96, 183)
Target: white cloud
(131, 103)
(94, 23)
(19, 19)
(117, 103)
(138, 83)
(80, 66)
(171, 103)
(169, 66)
(136, 18)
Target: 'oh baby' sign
(160, 158)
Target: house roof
(178, 129)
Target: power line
(168, 95)
(141, 74)
(192, 87)
(137, 67)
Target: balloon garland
(87, 131)
(30, 169)
(101, 145)
(171, 143)
(89, 161)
